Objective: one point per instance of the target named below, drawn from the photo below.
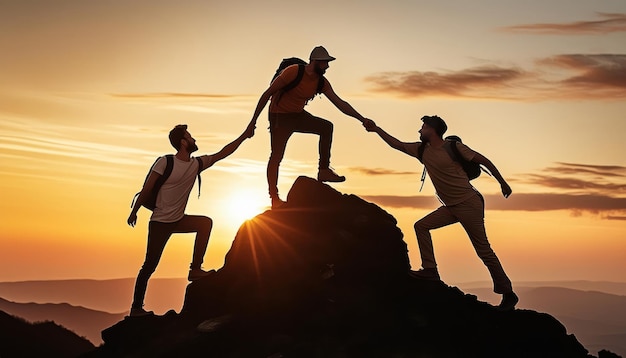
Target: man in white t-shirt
(461, 201)
(169, 216)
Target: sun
(244, 205)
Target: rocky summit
(327, 275)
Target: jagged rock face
(327, 276)
(319, 239)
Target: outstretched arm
(393, 142)
(481, 159)
(229, 149)
(342, 105)
(274, 87)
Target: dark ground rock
(327, 276)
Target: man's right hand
(249, 132)
(369, 125)
(132, 219)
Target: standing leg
(280, 131)
(435, 220)
(471, 215)
(158, 234)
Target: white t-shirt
(172, 198)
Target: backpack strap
(199, 177)
(291, 85)
(320, 85)
(420, 155)
(453, 151)
(420, 151)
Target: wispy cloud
(380, 171)
(603, 74)
(561, 77)
(191, 102)
(607, 23)
(175, 95)
(472, 82)
(578, 188)
(519, 202)
(599, 170)
(607, 180)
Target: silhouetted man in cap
(461, 201)
(287, 116)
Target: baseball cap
(320, 54)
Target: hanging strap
(199, 177)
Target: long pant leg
(202, 226)
(282, 126)
(158, 234)
(441, 217)
(471, 215)
(279, 135)
(308, 123)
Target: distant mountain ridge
(614, 288)
(82, 321)
(20, 339)
(597, 319)
(112, 296)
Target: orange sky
(89, 91)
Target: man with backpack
(461, 201)
(168, 215)
(290, 91)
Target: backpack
(150, 202)
(286, 62)
(472, 169)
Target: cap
(437, 123)
(320, 54)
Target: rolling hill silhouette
(112, 296)
(45, 339)
(597, 318)
(327, 276)
(82, 321)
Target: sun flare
(244, 205)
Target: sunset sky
(90, 89)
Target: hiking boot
(330, 176)
(430, 274)
(196, 274)
(509, 300)
(277, 202)
(139, 312)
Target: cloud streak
(561, 77)
(472, 82)
(518, 202)
(608, 23)
(380, 171)
(578, 188)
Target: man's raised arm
(392, 141)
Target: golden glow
(81, 121)
(243, 205)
